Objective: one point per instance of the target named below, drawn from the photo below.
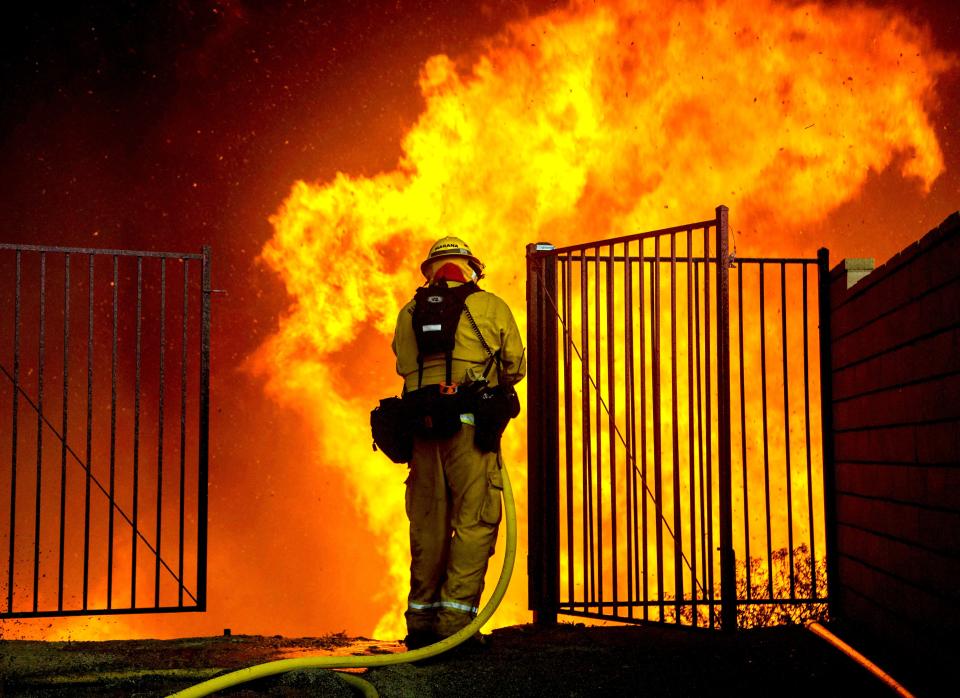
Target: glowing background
(189, 126)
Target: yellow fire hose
(326, 662)
(891, 682)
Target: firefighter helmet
(452, 247)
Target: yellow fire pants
(453, 503)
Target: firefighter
(453, 489)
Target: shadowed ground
(567, 660)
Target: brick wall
(896, 417)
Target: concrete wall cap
(859, 264)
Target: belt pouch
(392, 430)
(494, 409)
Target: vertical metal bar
(88, 460)
(599, 417)
(728, 562)
(709, 418)
(743, 435)
(113, 436)
(183, 423)
(163, 310)
(643, 436)
(612, 428)
(657, 407)
(766, 446)
(551, 417)
(543, 417)
(675, 434)
(786, 422)
(589, 583)
(204, 436)
(136, 439)
(704, 514)
(63, 424)
(691, 485)
(806, 422)
(631, 422)
(41, 334)
(568, 420)
(13, 435)
(535, 341)
(826, 422)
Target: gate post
(204, 428)
(543, 465)
(728, 564)
(826, 430)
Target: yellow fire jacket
(499, 329)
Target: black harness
(436, 315)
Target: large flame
(588, 122)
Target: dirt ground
(564, 660)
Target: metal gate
(671, 466)
(104, 355)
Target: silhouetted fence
(669, 464)
(104, 430)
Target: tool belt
(436, 414)
(432, 413)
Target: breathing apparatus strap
(449, 361)
(494, 355)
